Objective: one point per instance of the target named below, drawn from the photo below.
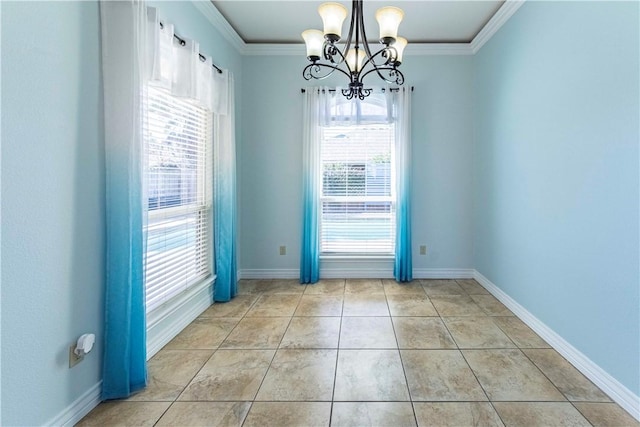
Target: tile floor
(361, 353)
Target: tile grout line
(404, 371)
(471, 369)
(335, 371)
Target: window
(177, 138)
(357, 200)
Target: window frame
(337, 121)
(198, 207)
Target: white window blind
(358, 194)
(178, 149)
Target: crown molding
(285, 49)
(424, 49)
(220, 23)
(213, 15)
(414, 49)
(506, 11)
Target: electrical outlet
(423, 250)
(283, 250)
(74, 359)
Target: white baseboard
(269, 273)
(79, 408)
(348, 269)
(443, 273)
(168, 321)
(612, 387)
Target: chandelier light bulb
(314, 40)
(333, 15)
(355, 62)
(399, 46)
(389, 19)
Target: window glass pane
(177, 143)
(358, 197)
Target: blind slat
(177, 143)
(358, 196)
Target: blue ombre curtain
(226, 285)
(401, 104)
(315, 112)
(123, 29)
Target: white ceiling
(425, 21)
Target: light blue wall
(271, 152)
(556, 173)
(52, 205)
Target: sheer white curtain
(224, 146)
(179, 69)
(401, 102)
(124, 62)
(316, 113)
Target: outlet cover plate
(74, 359)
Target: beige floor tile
(442, 287)
(237, 307)
(355, 380)
(169, 373)
(196, 414)
(439, 375)
(508, 375)
(391, 287)
(120, 413)
(477, 332)
(364, 286)
(319, 305)
(326, 287)
(542, 414)
(230, 375)
(257, 332)
(274, 305)
(456, 305)
(249, 286)
(574, 385)
(365, 305)
(203, 333)
(422, 333)
(456, 414)
(284, 286)
(367, 332)
(372, 414)
(490, 305)
(519, 333)
(289, 414)
(312, 332)
(472, 287)
(606, 415)
(410, 305)
(305, 375)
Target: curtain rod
(393, 89)
(182, 43)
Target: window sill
(366, 257)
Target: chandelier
(355, 60)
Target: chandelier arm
(376, 67)
(365, 41)
(399, 77)
(336, 52)
(353, 17)
(312, 71)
